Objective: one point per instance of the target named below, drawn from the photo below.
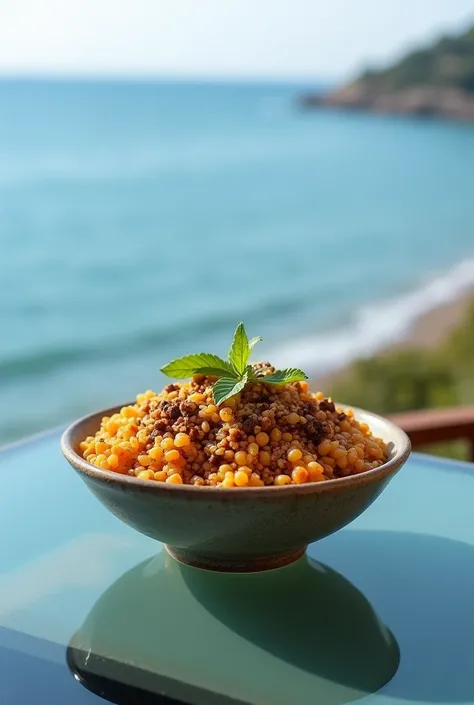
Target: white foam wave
(375, 326)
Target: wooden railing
(426, 427)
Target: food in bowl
(234, 424)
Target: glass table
(380, 613)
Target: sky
(307, 39)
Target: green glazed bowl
(237, 529)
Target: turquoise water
(140, 221)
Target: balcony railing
(434, 426)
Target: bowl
(237, 529)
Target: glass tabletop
(380, 612)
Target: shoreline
(418, 317)
(428, 331)
(423, 101)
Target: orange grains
(145, 475)
(315, 471)
(324, 446)
(226, 414)
(101, 447)
(292, 418)
(134, 443)
(228, 480)
(255, 480)
(175, 479)
(352, 456)
(300, 475)
(129, 411)
(262, 436)
(282, 480)
(113, 461)
(181, 440)
(156, 453)
(294, 455)
(241, 478)
(197, 398)
(111, 428)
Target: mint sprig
(239, 350)
(226, 387)
(198, 364)
(232, 374)
(290, 374)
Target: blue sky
(217, 38)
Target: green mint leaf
(291, 374)
(253, 343)
(239, 351)
(216, 372)
(188, 365)
(225, 387)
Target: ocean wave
(148, 163)
(375, 326)
(39, 362)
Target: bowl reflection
(299, 632)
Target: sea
(142, 220)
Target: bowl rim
(132, 482)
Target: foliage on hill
(413, 378)
(448, 63)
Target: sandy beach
(434, 326)
(428, 331)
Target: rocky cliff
(435, 81)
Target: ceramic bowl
(237, 529)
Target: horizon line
(146, 77)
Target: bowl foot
(234, 565)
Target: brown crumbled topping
(263, 368)
(315, 430)
(249, 424)
(171, 388)
(187, 408)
